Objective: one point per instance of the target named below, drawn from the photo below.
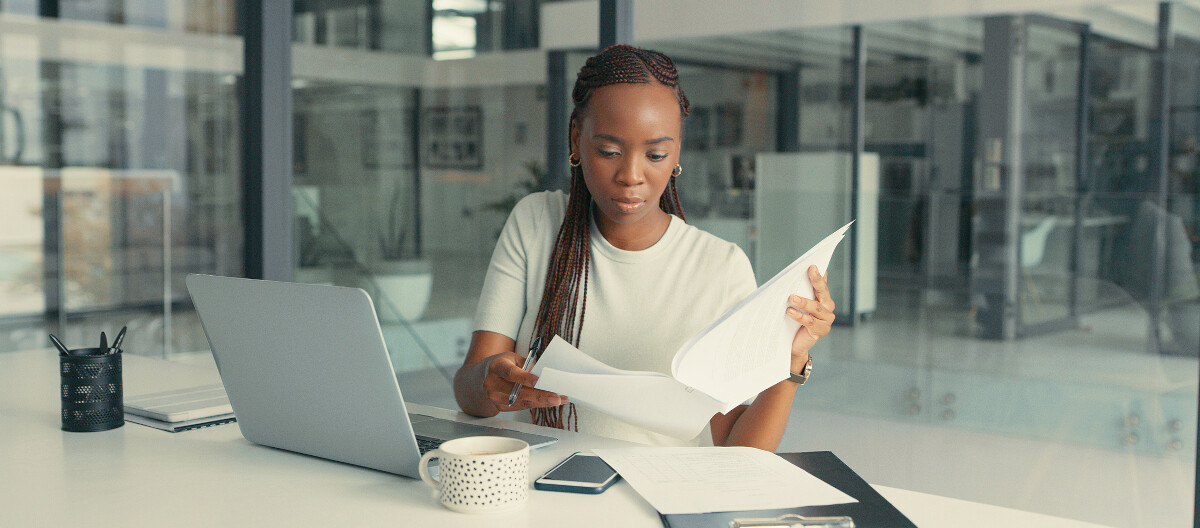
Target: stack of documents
(728, 362)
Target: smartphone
(579, 473)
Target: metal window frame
(616, 22)
(858, 104)
(266, 101)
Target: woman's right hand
(503, 371)
(491, 368)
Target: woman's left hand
(816, 322)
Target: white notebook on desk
(180, 405)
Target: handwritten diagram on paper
(734, 358)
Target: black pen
(58, 344)
(120, 337)
(529, 359)
(103, 343)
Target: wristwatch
(803, 375)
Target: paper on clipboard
(709, 479)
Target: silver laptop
(307, 370)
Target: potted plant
(535, 181)
(400, 281)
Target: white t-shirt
(641, 305)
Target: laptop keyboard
(425, 444)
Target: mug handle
(424, 469)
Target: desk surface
(135, 475)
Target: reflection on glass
(923, 81)
(122, 174)
(1181, 222)
(22, 260)
(721, 137)
(1119, 102)
(1049, 136)
(403, 180)
(1035, 411)
(356, 211)
(191, 16)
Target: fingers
(503, 374)
(821, 287)
(810, 306)
(527, 398)
(815, 315)
(817, 326)
(506, 368)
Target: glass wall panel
(1181, 229)
(920, 394)
(180, 16)
(1049, 140)
(407, 167)
(732, 112)
(120, 169)
(1119, 117)
(734, 83)
(922, 92)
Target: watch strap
(802, 377)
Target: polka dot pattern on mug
(485, 483)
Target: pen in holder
(91, 389)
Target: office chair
(1033, 249)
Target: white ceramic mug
(480, 474)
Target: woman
(618, 251)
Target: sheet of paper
(713, 479)
(748, 348)
(734, 358)
(648, 399)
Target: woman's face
(628, 141)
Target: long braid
(564, 299)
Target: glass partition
(1049, 136)
(1181, 219)
(919, 393)
(119, 160)
(179, 16)
(407, 167)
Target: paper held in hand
(731, 360)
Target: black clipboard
(871, 510)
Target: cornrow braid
(622, 63)
(564, 298)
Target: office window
(1009, 158)
(181, 16)
(406, 168)
(119, 167)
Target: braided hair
(564, 299)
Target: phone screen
(582, 468)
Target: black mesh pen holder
(91, 391)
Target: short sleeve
(502, 301)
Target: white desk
(138, 476)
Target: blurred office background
(1019, 298)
